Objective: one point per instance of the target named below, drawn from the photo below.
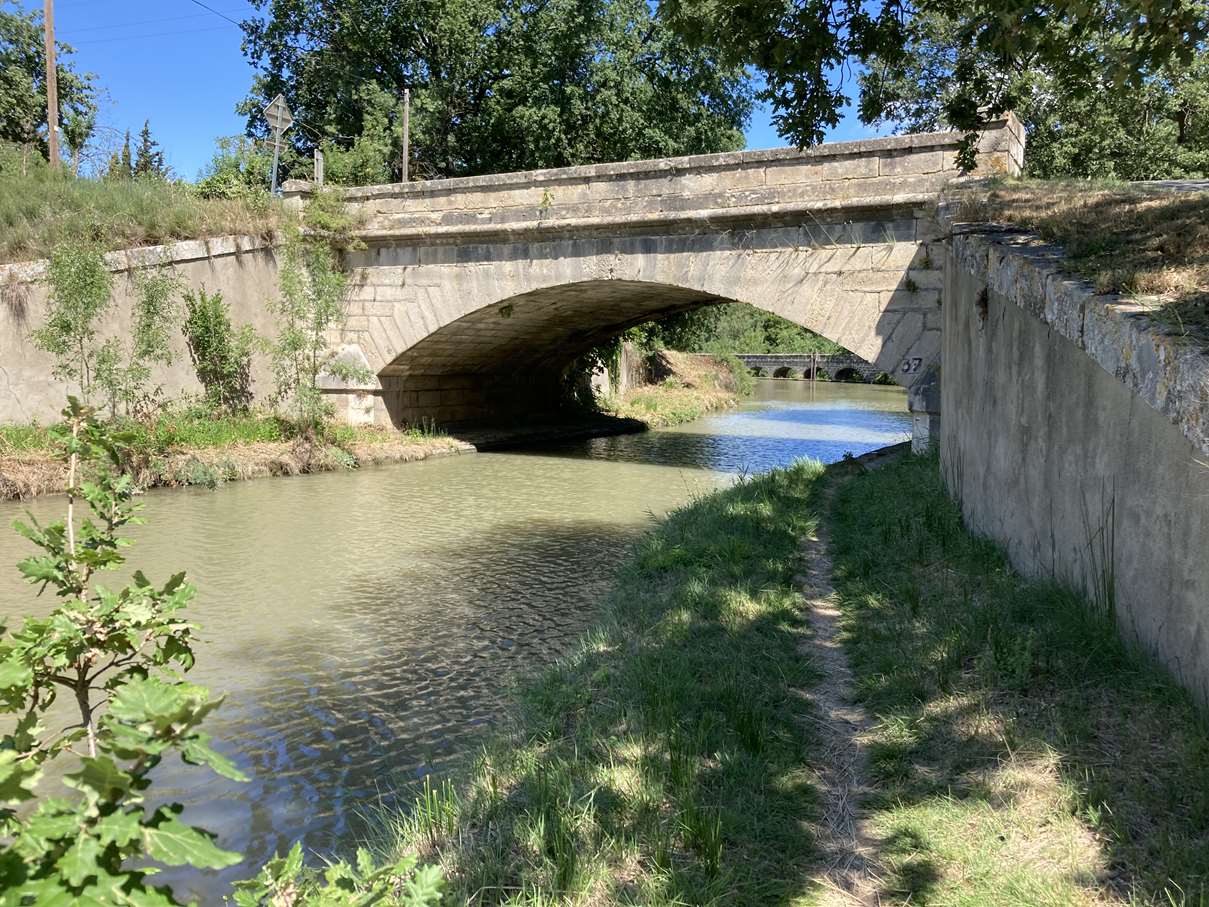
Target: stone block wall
(1075, 433)
(242, 268)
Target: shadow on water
(365, 627)
(391, 693)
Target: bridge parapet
(766, 186)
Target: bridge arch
(439, 325)
(843, 239)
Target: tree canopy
(496, 85)
(809, 50)
(1156, 127)
(23, 86)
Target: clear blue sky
(180, 66)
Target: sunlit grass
(669, 761)
(1022, 754)
(40, 210)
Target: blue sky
(180, 66)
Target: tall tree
(149, 161)
(496, 84)
(808, 50)
(1155, 129)
(121, 166)
(23, 81)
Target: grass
(666, 763)
(691, 386)
(187, 445)
(1123, 239)
(41, 210)
(1022, 754)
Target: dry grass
(39, 211)
(690, 385)
(1131, 240)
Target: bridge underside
(483, 332)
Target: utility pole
(52, 84)
(406, 130)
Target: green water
(365, 626)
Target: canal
(365, 627)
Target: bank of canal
(366, 626)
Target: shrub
(222, 355)
(81, 288)
(118, 655)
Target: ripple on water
(364, 626)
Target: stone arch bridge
(806, 363)
(472, 295)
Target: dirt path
(844, 838)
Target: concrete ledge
(186, 250)
(1166, 370)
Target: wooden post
(406, 131)
(52, 84)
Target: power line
(216, 12)
(138, 22)
(162, 34)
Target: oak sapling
(120, 656)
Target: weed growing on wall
(80, 292)
(313, 303)
(124, 364)
(221, 354)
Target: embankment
(179, 451)
(665, 387)
(28, 473)
(1020, 752)
(1076, 434)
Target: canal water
(365, 626)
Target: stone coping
(149, 256)
(664, 166)
(1168, 371)
(622, 223)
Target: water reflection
(365, 626)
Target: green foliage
(733, 328)
(496, 85)
(1156, 129)
(374, 155)
(312, 302)
(123, 365)
(239, 170)
(80, 292)
(342, 884)
(803, 50)
(222, 355)
(119, 656)
(149, 161)
(23, 85)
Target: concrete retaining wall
(243, 268)
(1074, 433)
